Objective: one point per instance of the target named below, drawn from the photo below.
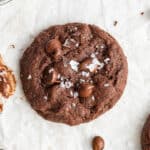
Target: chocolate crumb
(142, 13)
(12, 46)
(115, 23)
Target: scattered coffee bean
(98, 143)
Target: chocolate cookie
(145, 138)
(72, 73)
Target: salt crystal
(85, 74)
(106, 85)
(81, 80)
(95, 63)
(93, 98)
(96, 53)
(73, 29)
(45, 97)
(72, 40)
(71, 93)
(97, 46)
(106, 60)
(91, 36)
(66, 84)
(73, 105)
(61, 78)
(74, 65)
(50, 70)
(93, 55)
(65, 64)
(77, 45)
(58, 77)
(91, 81)
(102, 46)
(62, 85)
(29, 77)
(66, 43)
(75, 95)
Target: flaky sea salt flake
(106, 85)
(93, 98)
(106, 60)
(45, 97)
(82, 80)
(85, 74)
(76, 94)
(50, 70)
(71, 93)
(74, 65)
(29, 77)
(95, 64)
(73, 105)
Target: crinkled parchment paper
(21, 20)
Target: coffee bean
(98, 143)
(53, 48)
(85, 90)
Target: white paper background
(21, 20)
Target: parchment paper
(21, 20)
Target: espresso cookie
(72, 73)
(145, 139)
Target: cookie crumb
(12, 46)
(115, 23)
(142, 13)
(22, 98)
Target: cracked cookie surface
(72, 73)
